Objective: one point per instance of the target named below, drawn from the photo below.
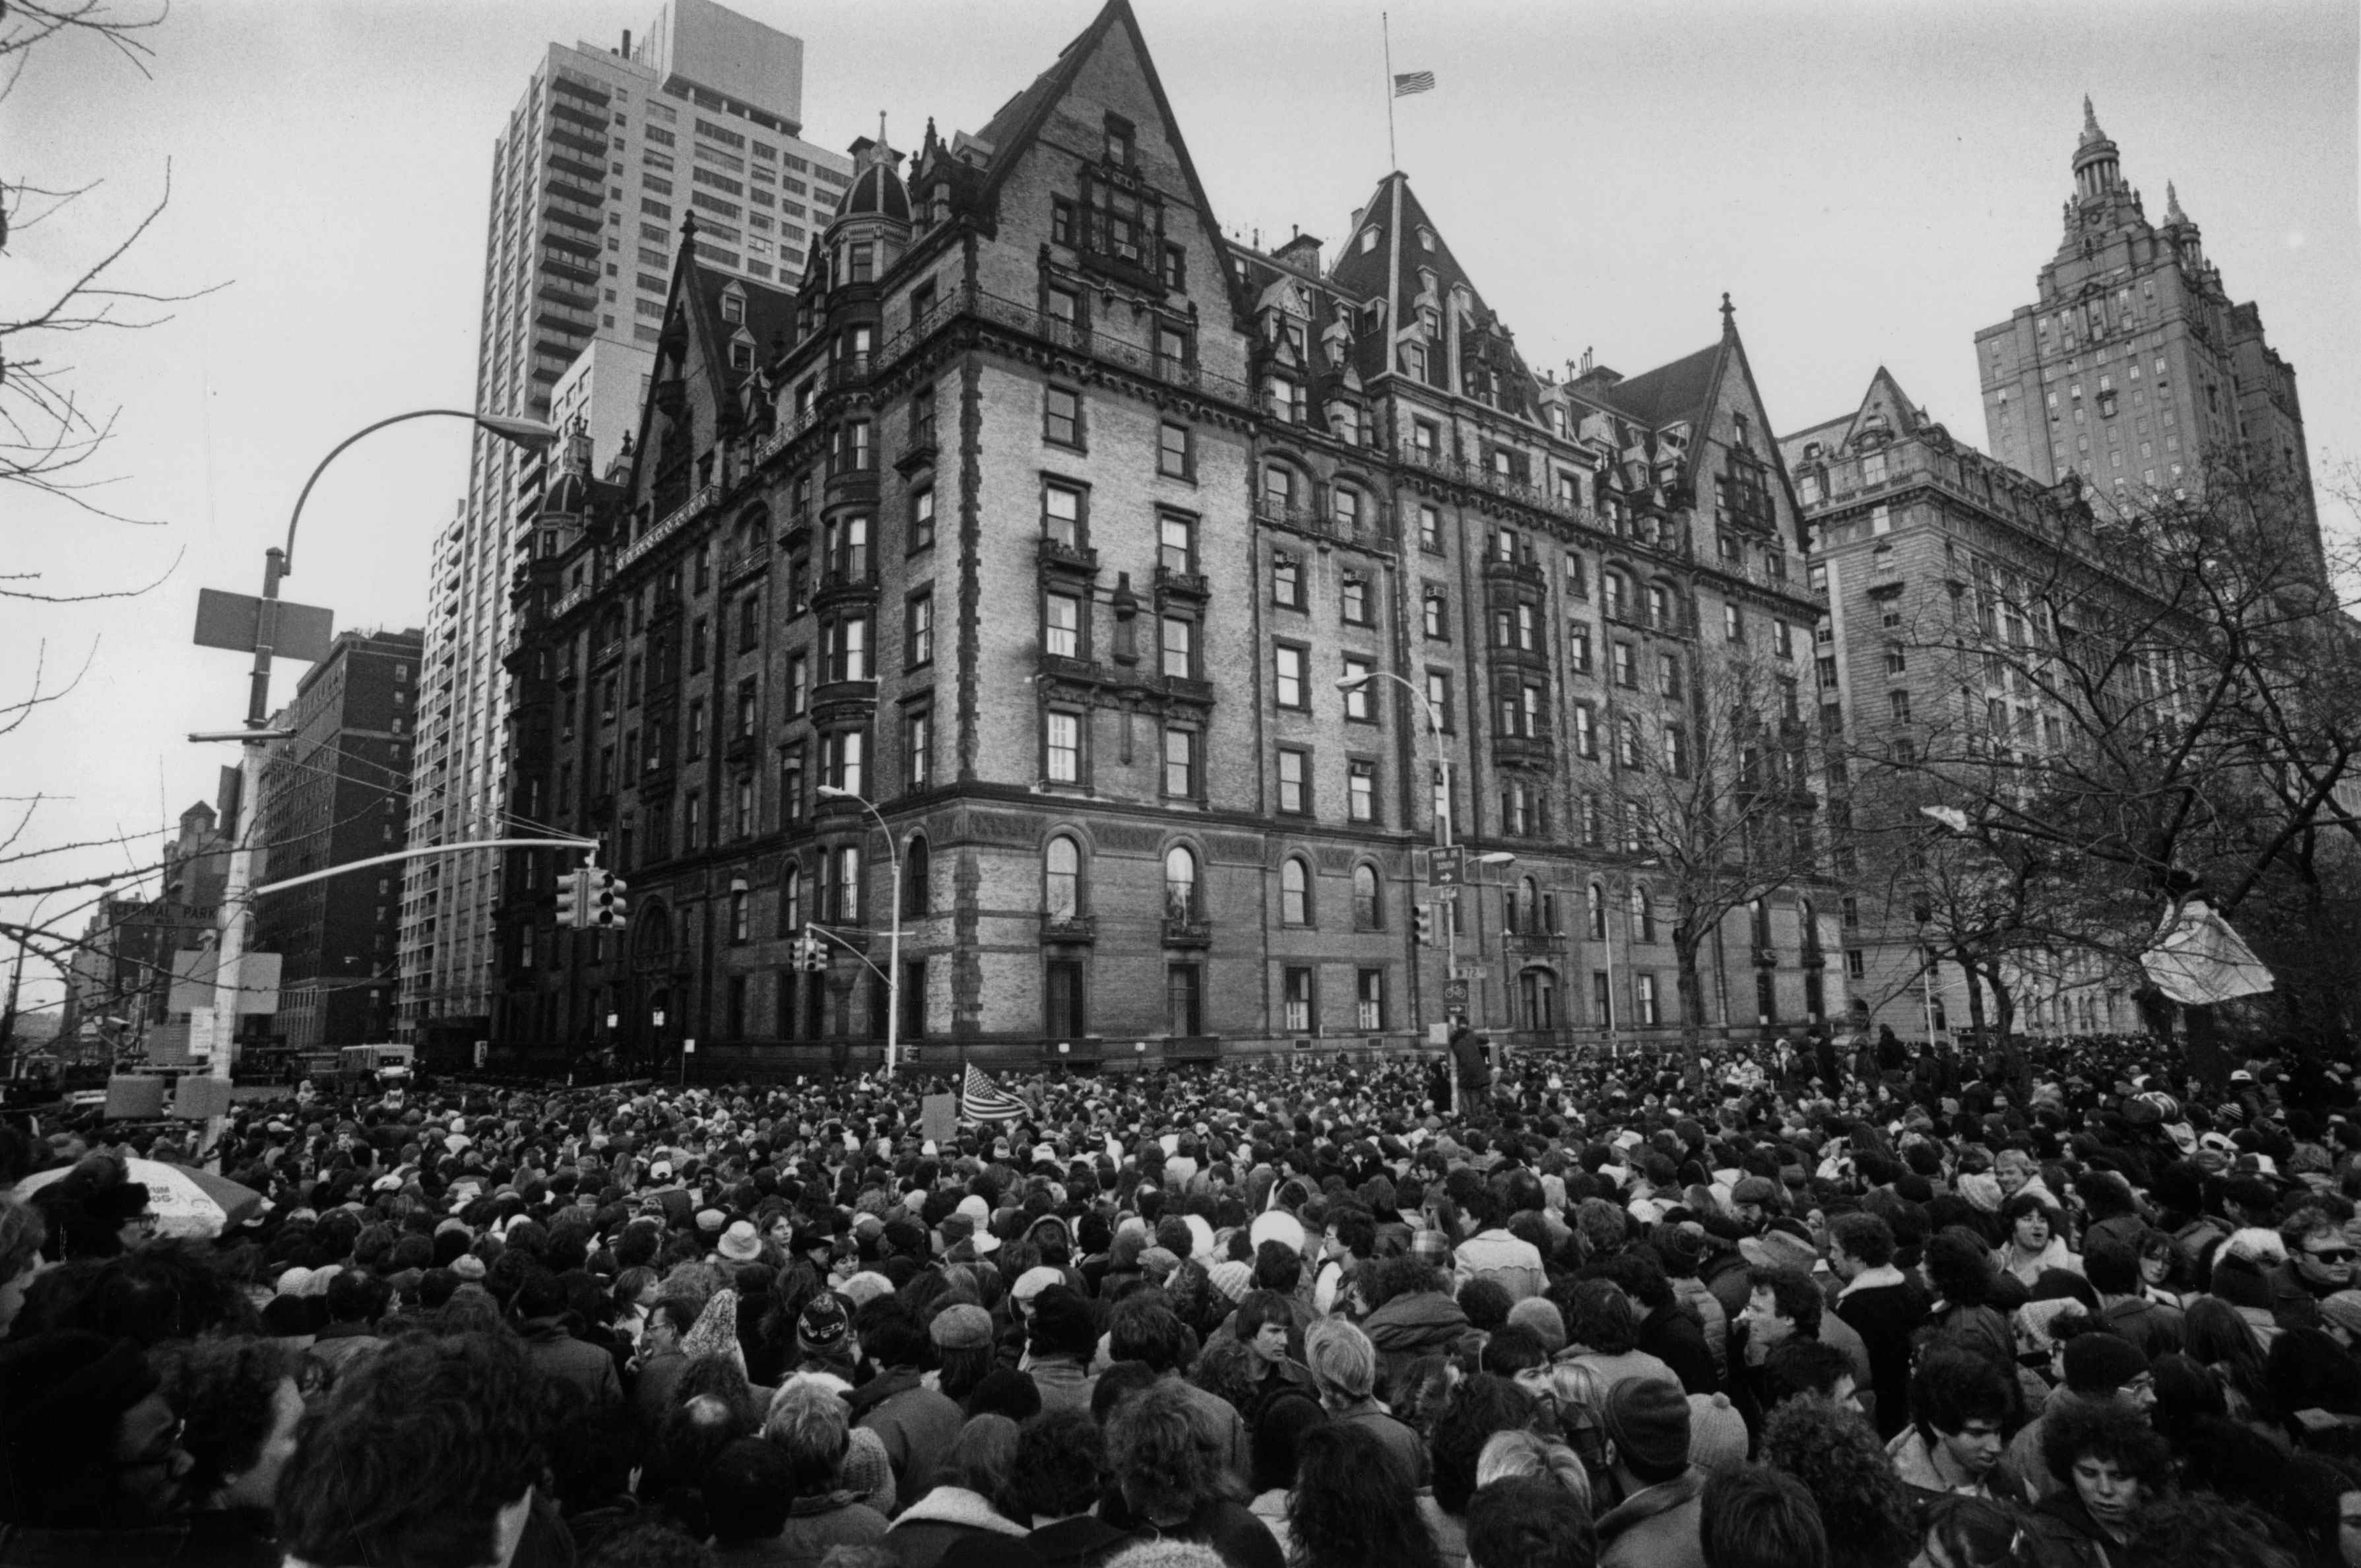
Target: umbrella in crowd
(185, 1203)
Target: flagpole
(1385, 25)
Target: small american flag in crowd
(1408, 81)
(981, 1100)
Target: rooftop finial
(2091, 131)
(2172, 212)
(1728, 313)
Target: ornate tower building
(2132, 367)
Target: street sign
(1445, 865)
(1455, 994)
(1474, 971)
(234, 621)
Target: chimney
(1302, 252)
(626, 43)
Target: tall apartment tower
(336, 791)
(604, 156)
(2133, 366)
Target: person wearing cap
(1644, 1425)
(1059, 1344)
(2101, 1368)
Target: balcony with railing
(1368, 532)
(1139, 358)
(1520, 571)
(1069, 927)
(1063, 555)
(698, 503)
(1171, 582)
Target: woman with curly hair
(1864, 1508)
(1169, 1485)
(1348, 1510)
(2110, 1465)
(1960, 1532)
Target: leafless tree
(1718, 804)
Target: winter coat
(1427, 1323)
(1672, 1337)
(917, 1424)
(1704, 1306)
(940, 1520)
(1657, 1528)
(838, 1519)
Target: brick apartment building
(1048, 520)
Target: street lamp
(231, 946)
(1435, 722)
(893, 936)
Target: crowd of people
(1752, 1308)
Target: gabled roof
(1681, 390)
(1019, 122)
(1883, 397)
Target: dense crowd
(1779, 1306)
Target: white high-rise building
(604, 156)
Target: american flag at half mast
(1408, 81)
(981, 1100)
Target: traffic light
(573, 897)
(1424, 916)
(607, 902)
(811, 953)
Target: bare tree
(2148, 702)
(1719, 803)
(51, 433)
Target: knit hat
(1033, 1282)
(822, 1328)
(469, 1266)
(1543, 1319)
(961, 1327)
(1233, 1279)
(740, 1243)
(1168, 1555)
(868, 1469)
(2344, 1310)
(711, 1221)
(1158, 1263)
(1717, 1433)
(1648, 1418)
(2100, 1363)
(865, 1286)
(716, 1329)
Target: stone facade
(1048, 520)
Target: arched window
(917, 878)
(1369, 910)
(1529, 907)
(1061, 879)
(1294, 892)
(1279, 486)
(1643, 916)
(791, 901)
(1596, 898)
(1758, 915)
(1179, 883)
(1810, 927)
(1615, 590)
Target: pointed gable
(1885, 408)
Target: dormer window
(1425, 238)
(1118, 141)
(741, 355)
(733, 307)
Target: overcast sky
(1871, 182)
